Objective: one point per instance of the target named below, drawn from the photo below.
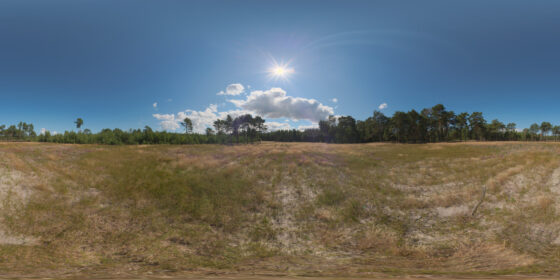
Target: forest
(435, 124)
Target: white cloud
(335, 100)
(274, 103)
(44, 131)
(382, 106)
(233, 89)
(273, 126)
(201, 119)
(167, 121)
(155, 105)
(304, 127)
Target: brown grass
(293, 208)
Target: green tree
(79, 122)
(327, 128)
(399, 126)
(373, 128)
(496, 130)
(510, 130)
(187, 124)
(545, 128)
(477, 125)
(461, 123)
(556, 132)
(534, 131)
(346, 130)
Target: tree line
(241, 129)
(21, 131)
(435, 124)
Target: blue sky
(110, 61)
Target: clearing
(293, 209)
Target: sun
(280, 71)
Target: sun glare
(280, 71)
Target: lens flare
(280, 71)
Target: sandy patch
(452, 211)
(555, 181)
(13, 190)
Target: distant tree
(439, 120)
(416, 127)
(346, 130)
(187, 124)
(432, 124)
(220, 127)
(556, 132)
(79, 122)
(545, 128)
(496, 130)
(229, 123)
(461, 123)
(399, 126)
(510, 130)
(259, 126)
(477, 125)
(449, 121)
(534, 130)
(328, 128)
(380, 124)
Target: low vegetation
(287, 208)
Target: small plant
(263, 231)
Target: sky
(128, 64)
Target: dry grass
(288, 208)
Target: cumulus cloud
(275, 103)
(272, 104)
(382, 106)
(233, 89)
(44, 131)
(200, 119)
(167, 121)
(304, 127)
(273, 126)
(334, 100)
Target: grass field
(281, 208)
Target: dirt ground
(280, 210)
(271, 277)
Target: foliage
(79, 122)
(242, 129)
(23, 131)
(435, 124)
